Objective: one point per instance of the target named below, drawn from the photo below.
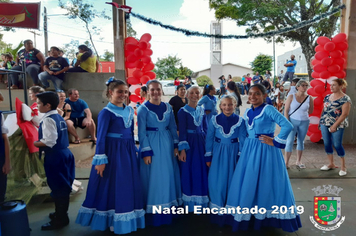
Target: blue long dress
(193, 172)
(157, 133)
(224, 141)
(209, 104)
(114, 200)
(261, 178)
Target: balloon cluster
(138, 64)
(329, 63)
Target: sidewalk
(303, 181)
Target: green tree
(86, 13)
(204, 80)
(268, 15)
(107, 56)
(170, 67)
(261, 63)
(129, 30)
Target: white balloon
(134, 87)
(330, 79)
(314, 120)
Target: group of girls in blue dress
(218, 161)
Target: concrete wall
(90, 86)
(235, 71)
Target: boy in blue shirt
(59, 161)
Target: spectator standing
(291, 64)
(80, 116)
(54, 69)
(256, 78)
(176, 82)
(34, 60)
(280, 98)
(298, 106)
(280, 76)
(333, 122)
(178, 101)
(188, 82)
(222, 81)
(233, 90)
(86, 61)
(292, 90)
(248, 82)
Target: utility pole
(34, 36)
(45, 29)
(274, 60)
(119, 27)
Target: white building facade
(299, 57)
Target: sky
(189, 14)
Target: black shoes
(55, 224)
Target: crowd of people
(44, 69)
(195, 151)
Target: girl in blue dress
(157, 133)
(193, 169)
(260, 178)
(208, 101)
(225, 139)
(114, 197)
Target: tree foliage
(71, 48)
(267, 15)
(204, 80)
(129, 30)
(84, 12)
(261, 63)
(107, 56)
(171, 67)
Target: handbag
(299, 106)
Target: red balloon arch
(329, 64)
(138, 65)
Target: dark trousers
(3, 185)
(33, 70)
(76, 69)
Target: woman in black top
(178, 101)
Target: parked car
(169, 88)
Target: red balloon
(131, 58)
(321, 55)
(127, 53)
(318, 102)
(316, 112)
(319, 89)
(139, 64)
(148, 52)
(329, 46)
(137, 91)
(309, 133)
(131, 40)
(138, 53)
(327, 61)
(316, 82)
(133, 80)
(320, 68)
(340, 74)
(149, 46)
(146, 37)
(312, 128)
(142, 45)
(336, 54)
(322, 40)
(339, 61)
(328, 91)
(130, 64)
(146, 59)
(149, 66)
(315, 75)
(315, 62)
(130, 47)
(134, 98)
(341, 46)
(334, 68)
(325, 74)
(144, 79)
(312, 93)
(137, 74)
(151, 74)
(341, 37)
(315, 137)
(319, 48)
